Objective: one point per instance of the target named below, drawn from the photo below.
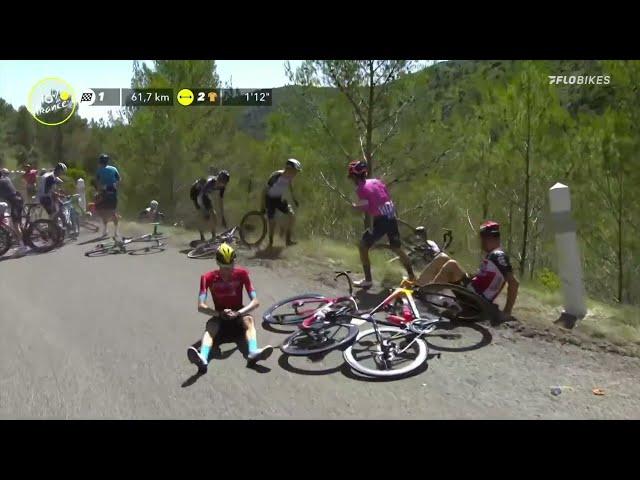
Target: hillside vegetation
(458, 142)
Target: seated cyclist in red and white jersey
(225, 285)
(495, 270)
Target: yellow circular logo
(185, 97)
(52, 101)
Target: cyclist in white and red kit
(495, 270)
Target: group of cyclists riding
(227, 282)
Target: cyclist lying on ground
(13, 199)
(495, 270)
(376, 201)
(273, 198)
(225, 285)
(151, 213)
(199, 193)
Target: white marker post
(80, 190)
(569, 262)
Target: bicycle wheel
(5, 240)
(206, 250)
(90, 226)
(101, 250)
(147, 250)
(151, 238)
(41, 235)
(319, 340)
(453, 301)
(396, 353)
(294, 310)
(253, 228)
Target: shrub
(549, 280)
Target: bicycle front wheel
(453, 301)
(314, 341)
(89, 226)
(100, 251)
(206, 250)
(294, 310)
(394, 353)
(253, 228)
(5, 240)
(41, 235)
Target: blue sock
(204, 351)
(253, 345)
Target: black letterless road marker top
(147, 97)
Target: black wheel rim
(42, 235)
(253, 228)
(453, 301)
(5, 241)
(288, 313)
(332, 336)
(395, 352)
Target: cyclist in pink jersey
(375, 200)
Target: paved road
(107, 338)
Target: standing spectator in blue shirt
(108, 179)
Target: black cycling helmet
(223, 175)
(490, 229)
(103, 159)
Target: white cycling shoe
(363, 283)
(260, 354)
(197, 359)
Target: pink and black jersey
(379, 201)
(226, 294)
(490, 279)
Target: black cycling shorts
(15, 204)
(108, 201)
(47, 204)
(208, 207)
(382, 226)
(274, 204)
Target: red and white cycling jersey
(226, 294)
(490, 279)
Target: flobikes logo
(52, 101)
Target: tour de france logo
(52, 101)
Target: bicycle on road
(41, 234)
(67, 218)
(119, 245)
(208, 248)
(394, 347)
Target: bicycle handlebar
(345, 274)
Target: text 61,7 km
(153, 97)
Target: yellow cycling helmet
(225, 254)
